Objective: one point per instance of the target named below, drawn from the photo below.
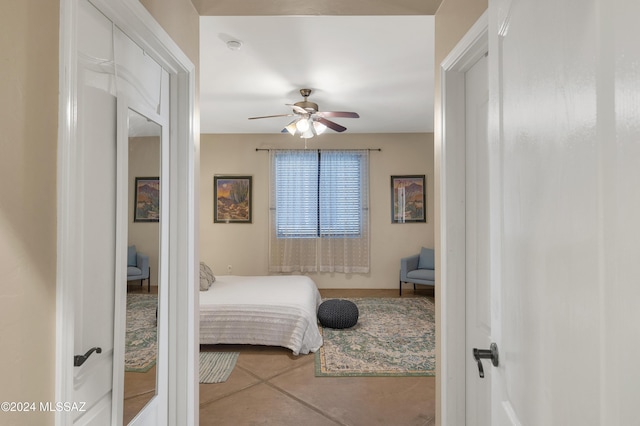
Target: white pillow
(206, 277)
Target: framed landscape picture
(147, 199)
(232, 199)
(408, 199)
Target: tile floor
(270, 386)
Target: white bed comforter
(262, 310)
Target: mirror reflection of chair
(418, 269)
(138, 267)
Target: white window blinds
(296, 193)
(319, 211)
(341, 198)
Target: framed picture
(408, 199)
(232, 199)
(147, 200)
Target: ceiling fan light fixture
(291, 128)
(309, 121)
(307, 134)
(302, 125)
(319, 128)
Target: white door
(100, 219)
(96, 259)
(87, 218)
(546, 307)
(564, 124)
(95, 225)
(478, 289)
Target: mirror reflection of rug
(393, 337)
(141, 335)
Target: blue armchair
(418, 269)
(138, 267)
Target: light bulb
(302, 125)
(307, 134)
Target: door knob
(78, 360)
(491, 353)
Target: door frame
(182, 346)
(453, 352)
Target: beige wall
(29, 123)
(453, 20)
(180, 19)
(144, 161)
(245, 246)
(28, 143)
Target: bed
(261, 310)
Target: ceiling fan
(310, 122)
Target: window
(318, 194)
(321, 197)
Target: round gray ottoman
(338, 313)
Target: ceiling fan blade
(345, 114)
(272, 116)
(331, 124)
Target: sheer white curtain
(293, 210)
(319, 211)
(344, 214)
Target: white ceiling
(378, 66)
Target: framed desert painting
(408, 199)
(147, 199)
(232, 199)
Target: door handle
(78, 360)
(491, 353)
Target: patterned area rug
(141, 335)
(393, 337)
(215, 367)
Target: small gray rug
(215, 367)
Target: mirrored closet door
(143, 272)
(142, 229)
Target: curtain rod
(327, 149)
